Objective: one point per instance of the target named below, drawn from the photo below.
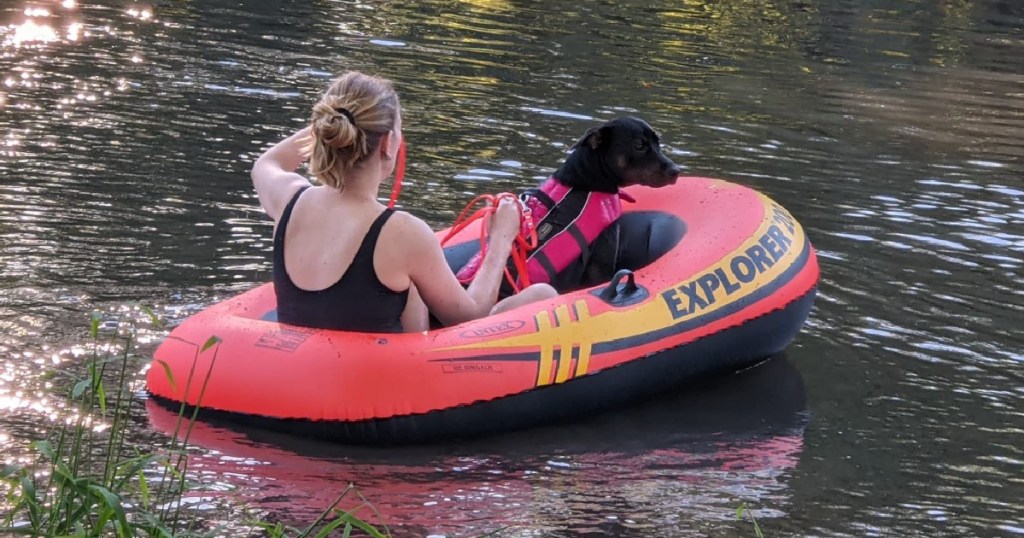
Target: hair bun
(334, 128)
(348, 115)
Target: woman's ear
(385, 145)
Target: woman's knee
(531, 294)
(541, 291)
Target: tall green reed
(742, 513)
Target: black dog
(622, 152)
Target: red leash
(525, 241)
(399, 175)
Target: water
(893, 130)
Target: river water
(892, 129)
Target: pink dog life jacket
(567, 222)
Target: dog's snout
(671, 172)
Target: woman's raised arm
(273, 173)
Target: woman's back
(331, 280)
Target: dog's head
(622, 152)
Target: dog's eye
(640, 146)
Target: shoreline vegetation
(85, 480)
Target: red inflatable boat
(717, 277)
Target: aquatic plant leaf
(65, 476)
(28, 499)
(270, 529)
(94, 325)
(79, 389)
(28, 487)
(143, 489)
(8, 471)
(167, 372)
(154, 526)
(152, 317)
(45, 448)
(212, 341)
(740, 511)
(364, 526)
(113, 504)
(332, 526)
(134, 468)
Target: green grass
(88, 481)
(742, 511)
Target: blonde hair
(347, 125)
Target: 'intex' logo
(493, 330)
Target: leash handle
(526, 240)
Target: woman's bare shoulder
(410, 243)
(407, 223)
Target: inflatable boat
(715, 277)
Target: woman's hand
(505, 220)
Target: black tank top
(356, 302)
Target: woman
(341, 259)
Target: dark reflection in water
(674, 465)
(891, 129)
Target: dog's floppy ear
(593, 138)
